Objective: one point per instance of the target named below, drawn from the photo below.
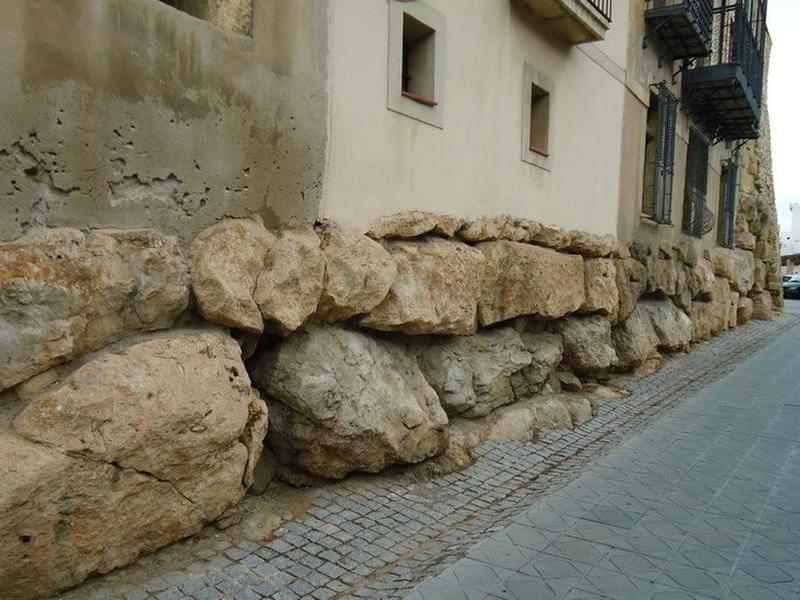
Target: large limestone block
(745, 270)
(413, 224)
(735, 265)
(225, 261)
(602, 294)
(587, 343)
(671, 325)
(744, 311)
(522, 279)
(472, 374)
(701, 279)
(635, 340)
(711, 317)
(762, 306)
(136, 448)
(64, 292)
(289, 287)
(590, 245)
(436, 289)
(358, 273)
(343, 401)
(546, 350)
(503, 227)
(631, 277)
(662, 276)
(552, 237)
(759, 275)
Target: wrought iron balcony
(578, 21)
(684, 26)
(723, 90)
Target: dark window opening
(659, 155)
(697, 219)
(726, 223)
(539, 135)
(419, 61)
(235, 16)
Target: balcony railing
(738, 39)
(724, 88)
(684, 26)
(602, 6)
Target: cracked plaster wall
(130, 113)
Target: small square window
(537, 95)
(416, 61)
(419, 61)
(539, 140)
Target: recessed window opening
(726, 209)
(659, 155)
(697, 219)
(539, 138)
(419, 61)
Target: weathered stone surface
(587, 343)
(662, 276)
(414, 224)
(522, 279)
(683, 293)
(358, 273)
(700, 279)
(745, 270)
(635, 341)
(436, 289)
(546, 350)
(759, 276)
(289, 287)
(671, 325)
(552, 237)
(744, 312)
(762, 306)
(503, 227)
(64, 292)
(602, 294)
(225, 261)
(713, 316)
(136, 448)
(343, 401)
(569, 381)
(590, 245)
(631, 278)
(472, 374)
(736, 265)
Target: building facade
(359, 233)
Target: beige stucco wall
(129, 113)
(643, 69)
(383, 162)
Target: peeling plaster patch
(132, 190)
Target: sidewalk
(704, 503)
(381, 536)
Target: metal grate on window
(697, 219)
(726, 226)
(660, 165)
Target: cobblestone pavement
(379, 537)
(705, 503)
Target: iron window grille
(660, 159)
(697, 219)
(726, 226)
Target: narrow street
(704, 503)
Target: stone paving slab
(379, 537)
(704, 503)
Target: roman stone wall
(139, 380)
